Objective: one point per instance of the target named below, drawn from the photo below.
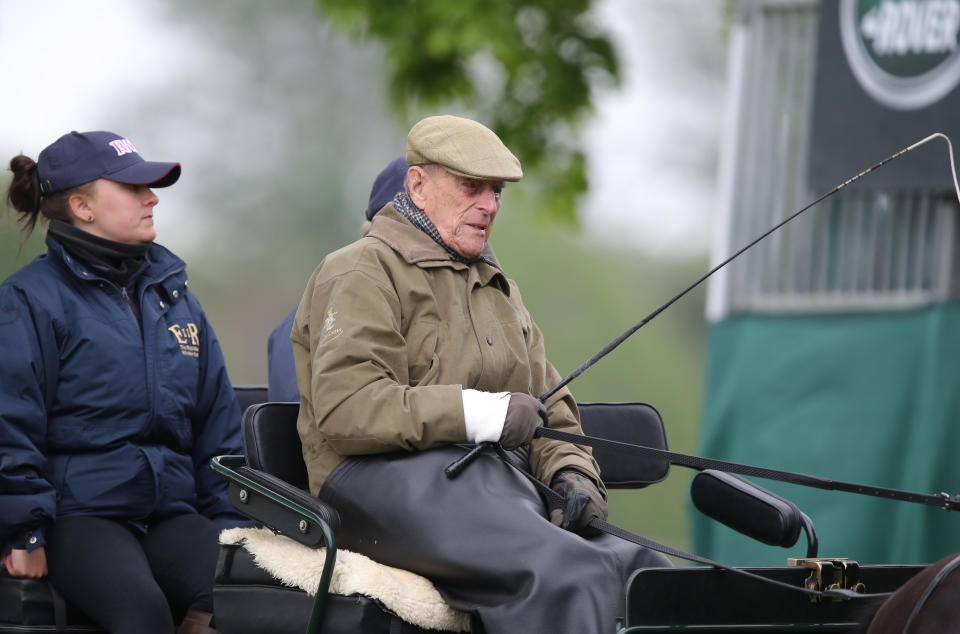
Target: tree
(526, 68)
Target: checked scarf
(418, 219)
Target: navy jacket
(100, 416)
(281, 373)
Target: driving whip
(455, 468)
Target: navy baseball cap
(81, 157)
(387, 184)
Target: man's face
(462, 209)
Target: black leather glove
(524, 414)
(582, 502)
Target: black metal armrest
(285, 509)
(277, 504)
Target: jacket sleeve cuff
(582, 467)
(28, 540)
(590, 476)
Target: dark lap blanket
(485, 541)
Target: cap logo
(123, 146)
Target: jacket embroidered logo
(188, 337)
(330, 319)
(329, 333)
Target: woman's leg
(99, 567)
(182, 551)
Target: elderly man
(410, 343)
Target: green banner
(872, 398)
(887, 75)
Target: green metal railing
(225, 467)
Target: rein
(943, 500)
(554, 498)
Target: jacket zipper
(149, 345)
(128, 302)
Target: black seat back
(272, 444)
(633, 423)
(248, 395)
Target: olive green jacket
(391, 329)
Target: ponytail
(25, 196)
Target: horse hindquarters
(928, 603)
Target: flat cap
(463, 147)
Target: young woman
(113, 397)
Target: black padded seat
(248, 600)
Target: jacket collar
(419, 249)
(160, 262)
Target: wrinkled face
(462, 209)
(119, 212)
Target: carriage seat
(274, 464)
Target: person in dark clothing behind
(114, 396)
(281, 378)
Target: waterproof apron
(484, 540)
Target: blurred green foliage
(526, 68)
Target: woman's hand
(24, 563)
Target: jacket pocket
(433, 372)
(422, 359)
(116, 482)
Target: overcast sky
(652, 143)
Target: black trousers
(484, 540)
(130, 582)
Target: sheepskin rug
(410, 596)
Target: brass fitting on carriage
(830, 573)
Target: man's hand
(24, 563)
(581, 502)
(524, 414)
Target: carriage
(268, 482)
(254, 593)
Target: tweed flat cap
(463, 147)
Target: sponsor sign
(887, 75)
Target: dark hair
(24, 195)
